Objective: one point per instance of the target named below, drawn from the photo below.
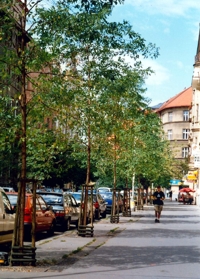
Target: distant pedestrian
(170, 195)
(158, 198)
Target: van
(7, 218)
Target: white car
(104, 189)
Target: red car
(45, 218)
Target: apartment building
(11, 26)
(175, 116)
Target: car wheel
(90, 218)
(97, 215)
(27, 234)
(66, 225)
(51, 231)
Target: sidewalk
(55, 249)
(136, 247)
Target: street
(136, 247)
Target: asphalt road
(136, 248)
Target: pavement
(136, 247)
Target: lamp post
(133, 190)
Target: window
(170, 116)
(186, 133)
(37, 204)
(186, 115)
(42, 203)
(184, 152)
(6, 203)
(197, 112)
(169, 134)
(73, 201)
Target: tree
(22, 65)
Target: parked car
(108, 198)
(7, 218)
(96, 206)
(185, 198)
(45, 217)
(78, 196)
(104, 189)
(100, 205)
(8, 189)
(65, 208)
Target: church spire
(197, 57)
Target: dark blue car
(108, 197)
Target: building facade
(175, 116)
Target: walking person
(158, 198)
(170, 195)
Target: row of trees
(74, 58)
(69, 99)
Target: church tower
(194, 139)
(194, 112)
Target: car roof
(79, 193)
(49, 193)
(16, 193)
(12, 193)
(60, 194)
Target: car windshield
(52, 199)
(58, 190)
(13, 199)
(107, 195)
(77, 196)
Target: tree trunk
(34, 214)
(18, 238)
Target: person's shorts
(158, 208)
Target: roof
(183, 99)
(157, 106)
(198, 45)
(197, 56)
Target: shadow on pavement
(136, 257)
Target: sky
(173, 26)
